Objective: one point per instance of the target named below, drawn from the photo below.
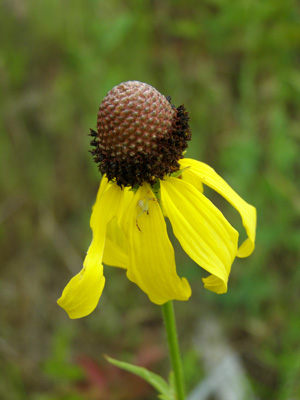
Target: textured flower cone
(140, 135)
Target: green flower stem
(170, 324)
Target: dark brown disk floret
(140, 136)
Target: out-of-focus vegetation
(235, 64)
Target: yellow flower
(129, 228)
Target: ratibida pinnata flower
(139, 147)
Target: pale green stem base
(170, 324)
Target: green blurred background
(235, 64)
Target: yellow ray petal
(190, 177)
(151, 255)
(128, 195)
(116, 247)
(107, 206)
(116, 244)
(81, 295)
(248, 213)
(104, 184)
(203, 232)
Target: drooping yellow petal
(116, 244)
(81, 295)
(151, 255)
(107, 206)
(128, 195)
(248, 213)
(189, 176)
(104, 184)
(116, 247)
(203, 232)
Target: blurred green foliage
(236, 67)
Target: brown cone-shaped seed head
(140, 135)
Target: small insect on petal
(144, 205)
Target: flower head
(140, 137)
(139, 147)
